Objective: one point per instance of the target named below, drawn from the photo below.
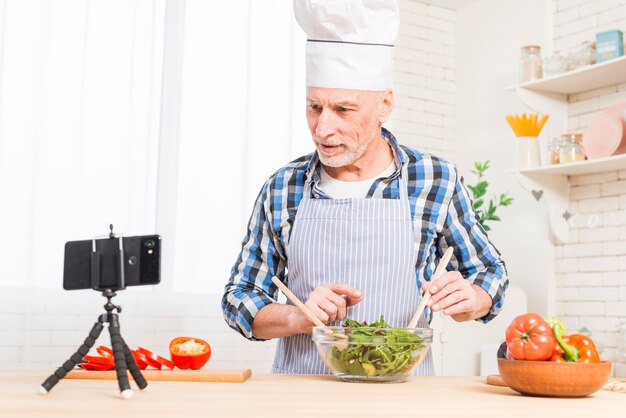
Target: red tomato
(185, 360)
(529, 337)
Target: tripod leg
(132, 366)
(76, 358)
(117, 343)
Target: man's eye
(315, 107)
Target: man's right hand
(330, 302)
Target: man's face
(343, 123)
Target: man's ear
(386, 106)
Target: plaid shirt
(440, 207)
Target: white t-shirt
(338, 189)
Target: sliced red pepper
(91, 366)
(104, 351)
(167, 363)
(155, 360)
(140, 359)
(183, 360)
(100, 361)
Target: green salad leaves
(373, 351)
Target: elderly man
(357, 227)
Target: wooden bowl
(545, 378)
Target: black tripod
(121, 353)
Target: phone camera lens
(149, 244)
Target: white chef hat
(349, 42)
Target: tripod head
(110, 306)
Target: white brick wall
(591, 279)
(41, 328)
(424, 80)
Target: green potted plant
(486, 213)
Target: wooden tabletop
(292, 396)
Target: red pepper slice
(104, 351)
(100, 361)
(167, 363)
(90, 366)
(184, 360)
(155, 360)
(140, 359)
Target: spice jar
(554, 148)
(530, 64)
(571, 148)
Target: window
(161, 116)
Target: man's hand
(329, 302)
(457, 297)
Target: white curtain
(79, 117)
(242, 117)
(82, 121)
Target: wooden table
(293, 396)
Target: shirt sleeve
(476, 257)
(250, 286)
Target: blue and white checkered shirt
(440, 206)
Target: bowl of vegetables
(376, 352)
(539, 358)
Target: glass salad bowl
(372, 354)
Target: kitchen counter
(292, 396)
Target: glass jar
(527, 152)
(530, 64)
(554, 65)
(585, 55)
(554, 148)
(571, 148)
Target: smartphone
(119, 262)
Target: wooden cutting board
(201, 375)
(495, 379)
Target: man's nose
(326, 124)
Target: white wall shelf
(549, 96)
(598, 165)
(550, 184)
(593, 77)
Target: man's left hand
(457, 297)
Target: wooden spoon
(298, 303)
(339, 338)
(441, 268)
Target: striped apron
(366, 243)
